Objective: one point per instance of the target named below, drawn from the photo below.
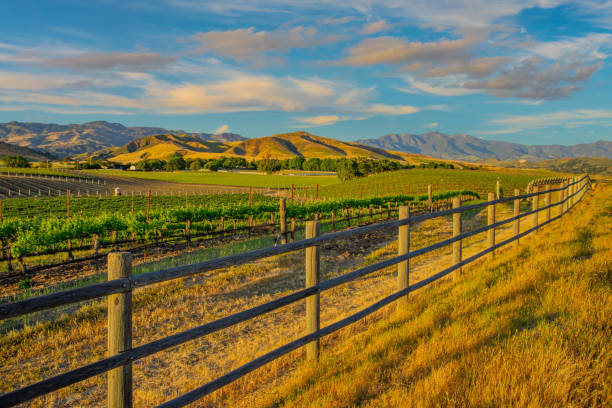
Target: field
(223, 178)
(532, 329)
(415, 181)
(490, 298)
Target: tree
(195, 165)
(328, 164)
(297, 163)
(175, 162)
(269, 166)
(16, 161)
(313, 164)
(348, 169)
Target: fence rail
(122, 354)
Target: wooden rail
(121, 284)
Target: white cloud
(321, 120)
(575, 117)
(221, 129)
(375, 27)
(430, 125)
(448, 86)
(589, 47)
(249, 44)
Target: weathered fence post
(403, 247)
(497, 190)
(313, 320)
(564, 196)
(517, 212)
(535, 205)
(456, 233)
(283, 221)
(548, 198)
(120, 332)
(292, 229)
(491, 221)
(430, 198)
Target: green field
(221, 178)
(415, 181)
(37, 171)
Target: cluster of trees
(437, 165)
(16, 161)
(177, 162)
(345, 168)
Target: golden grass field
(532, 328)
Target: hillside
(287, 145)
(7, 149)
(470, 148)
(161, 147)
(281, 146)
(74, 139)
(531, 329)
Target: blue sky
(534, 72)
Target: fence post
(456, 233)
(283, 221)
(403, 247)
(497, 190)
(430, 198)
(517, 212)
(491, 221)
(565, 195)
(534, 205)
(120, 332)
(312, 302)
(548, 198)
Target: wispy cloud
(578, 117)
(249, 44)
(375, 27)
(113, 60)
(430, 125)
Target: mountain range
(74, 139)
(470, 148)
(104, 139)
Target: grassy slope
(531, 329)
(228, 179)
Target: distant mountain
(281, 146)
(470, 148)
(161, 147)
(74, 139)
(7, 149)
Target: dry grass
(532, 329)
(447, 345)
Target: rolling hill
(160, 147)
(7, 149)
(287, 145)
(74, 139)
(280, 146)
(470, 148)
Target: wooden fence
(121, 284)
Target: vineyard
(416, 181)
(65, 231)
(108, 223)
